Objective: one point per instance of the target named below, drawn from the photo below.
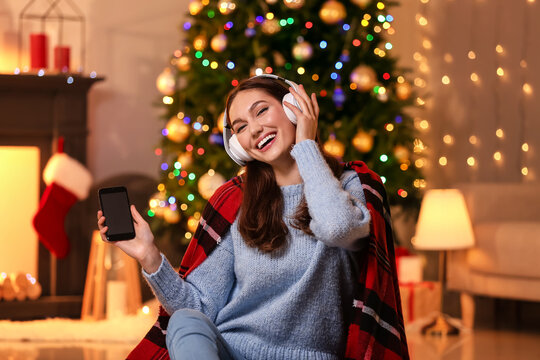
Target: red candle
(61, 58)
(38, 51)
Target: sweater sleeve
(339, 216)
(205, 289)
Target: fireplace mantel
(34, 111)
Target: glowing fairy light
(474, 77)
(443, 161)
(445, 80)
(448, 139)
(500, 71)
(472, 55)
(471, 161)
(497, 156)
(499, 133)
(473, 140)
(525, 147)
(527, 88)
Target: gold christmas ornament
(332, 12)
(183, 63)
(208, 184)
(334, 147)
(294, 4)
(166, 83)
(219, 43)
(361, 3)
(185, 160)
(200, 42)
(363, 141)
(171, 216)
(403, 90)
(302, 51)
(401, 153)
(195, 7)
(192, 224)
(220, 122)
(226, 6)
(177, 131)
(364, 77)
(270, 27)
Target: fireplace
(34, 112)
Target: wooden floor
(483, 344)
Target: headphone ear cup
(290, 99)
(238, 151)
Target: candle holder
(40, 15)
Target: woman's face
(261, 126)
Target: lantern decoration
(192, 224)
(200, 42)
(166, 83)
(334, 147)
(401, 153)
(226, 6)
(271, 26)
(294, 4)
(183, 63)
(364, 77)
(219, 43)
(185, 160)
(195, 7)
(361, 3)
(302, 51)
(171, 216)
(209, 182)
(363, 141)
(177, 131)
(403, 90)
(332, 12)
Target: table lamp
(443, 224)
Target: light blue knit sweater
(288, 304)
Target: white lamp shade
(444, 222)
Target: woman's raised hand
(141, 247)
(307, 118)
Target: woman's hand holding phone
(142, 247)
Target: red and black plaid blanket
(376, 328)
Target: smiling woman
(281, 251)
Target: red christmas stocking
(67, 181)
(49, 220)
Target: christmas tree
(335, 48)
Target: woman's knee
(189, 320)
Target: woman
(279, 283)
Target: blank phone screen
(117, 213)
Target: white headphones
(233, 147)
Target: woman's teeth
(265, 141)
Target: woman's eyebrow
(250, 110)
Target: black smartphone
(114, 204)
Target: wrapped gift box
(419, 300)
(409, 266)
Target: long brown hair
(261, 214)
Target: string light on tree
(226, 6)
(363, 141)
(219, 43)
